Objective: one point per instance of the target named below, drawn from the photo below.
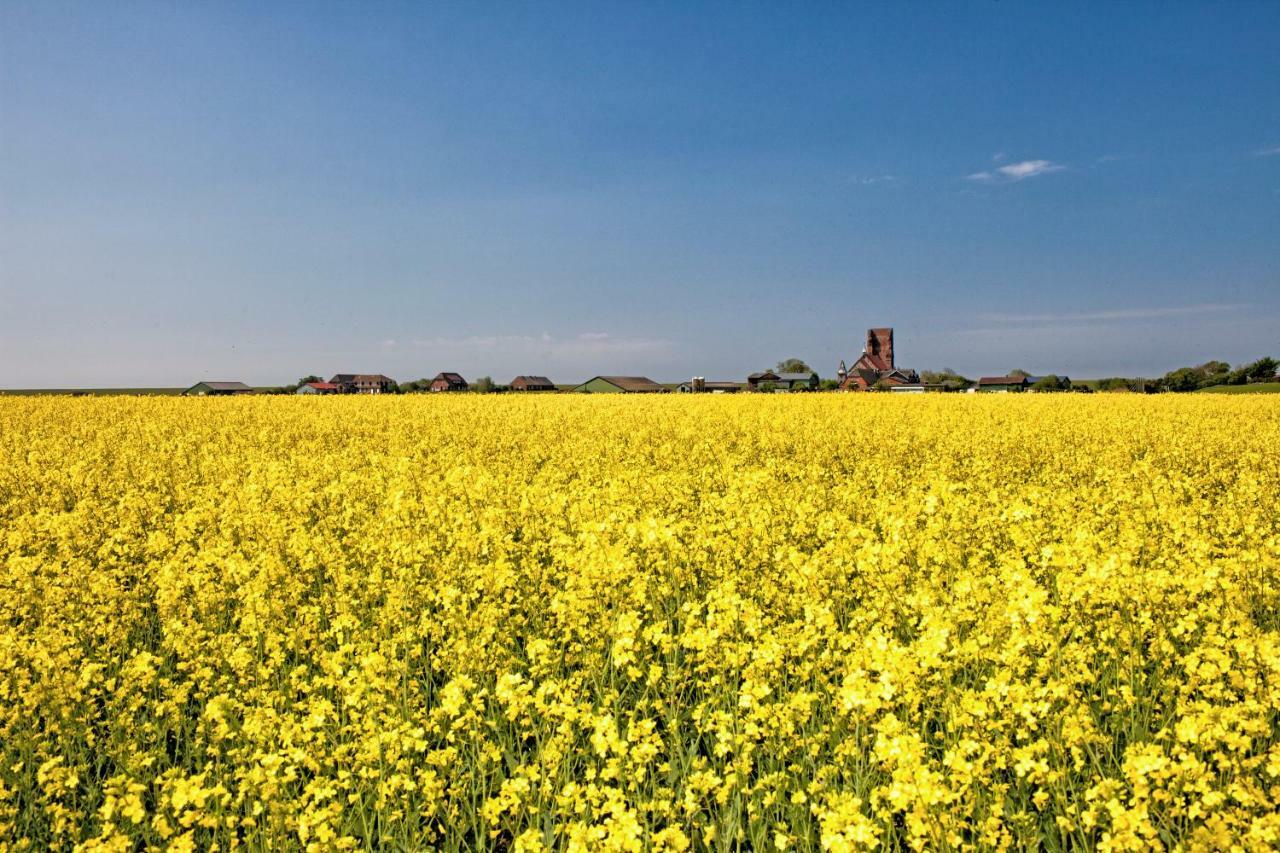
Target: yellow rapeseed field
(835, 622)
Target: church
(875, 365)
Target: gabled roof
(763, 376)
(371, 377)
(872, 361)
(630, 383)
(795, 377)
(323, 386)
(1002, 380)
(452, 378)
(533, 380)
(225, 386)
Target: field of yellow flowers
(836, 622)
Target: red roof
(323, 386)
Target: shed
(217, 389)
(620, 385)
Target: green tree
(792, 365)
(483, 385)
(1052, 382)
(947, 378)
(1018, 371)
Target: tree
(947, 378)
(483, 385)
(1052, 382)
(304, 380)
(881, 385)
(793, 365)
(1018, 371)
(829, 385)
(1263, 370)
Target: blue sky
(259, 191)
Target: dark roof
(795, 377)
(632, 383)
(371, 377)
(765, 375)
(873, 361)
(343, 378)
(225, 386)
(533, 380)
(451, 377)
(1002, 380)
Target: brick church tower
(880, 348)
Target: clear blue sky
(257, 191)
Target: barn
(620, 385)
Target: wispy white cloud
(997, 157)
(1268, 152)
(870, 180)
(1017, 171)
(1116, 314)
(1114, 158)
(585, 343)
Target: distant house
(875, 365)
(532, 383)
(783, 381)
(449, 382)
(797, 381)
(217, 389)
(317, 388)
(908, 389)
(1003, 384)
(620, 385)
(362, 383)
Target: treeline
(1206, 375)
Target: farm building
(362, 383)
(1003, 384)
(317, 388)
(875, 365)
(619, 385)
(449, 382)
(532, 383)
(217, 389)
(699, 385)
(783, 381)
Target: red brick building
(876, 364)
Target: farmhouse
(620, 385)
(875, 365)
(783, 381)
(1003, 384)
(449, 382)
(317, 388)
(532, 383)
(217, 389)
(362, 383)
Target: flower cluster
(539, 623)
